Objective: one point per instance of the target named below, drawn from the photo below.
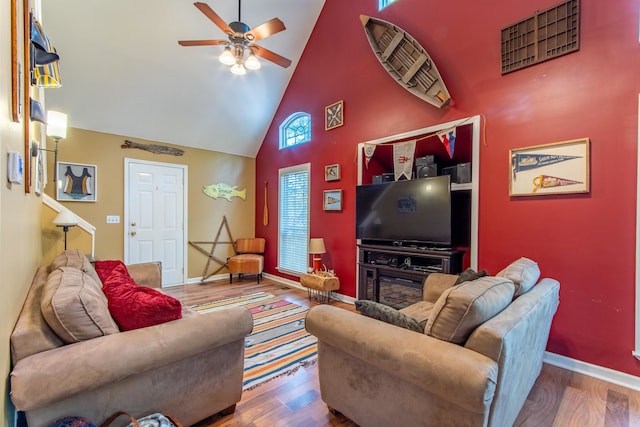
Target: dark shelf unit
(394, 274)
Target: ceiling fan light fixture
(252, 62)
(238, 69)
(226, 57)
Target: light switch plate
(113, 219)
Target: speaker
(426, 170)
(425, 160)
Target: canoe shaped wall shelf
(545, 35)
(406, 61)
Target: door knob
(133, 224)
(133, 233)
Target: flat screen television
(415, 211)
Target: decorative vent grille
(547, 34)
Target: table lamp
(316, 247)
(65, 219)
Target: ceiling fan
(241, 39)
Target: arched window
(384, 3)
(296, 129)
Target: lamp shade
(316, 246)
(252, 62)
(65, 218)
(227, 57)
(56, 125)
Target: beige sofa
(379, 374)
(190, 368)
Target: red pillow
(133, 306)
(105, 268)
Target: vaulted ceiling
(124, 73)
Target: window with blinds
(293, 219)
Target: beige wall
(53, 237)
(19, 221)
(204, 213)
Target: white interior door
(155, 203)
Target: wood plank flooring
(560, 398)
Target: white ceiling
(123, 71)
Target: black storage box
(385, 177)
(460, 173)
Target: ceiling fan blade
(270, 56)
(265, 30)
(202, 42)
(214, 17)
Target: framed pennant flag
(558, 168)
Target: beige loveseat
(190, 368)
(379, 374)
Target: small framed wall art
(557, 168)
(332, 200)
(77, 182)
(332, 173)
(334, 115)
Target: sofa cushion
(74, 307)
(387, 314)
(524, 273)
(134, 306)
(419, 311)
(462, 308)
(76, 259)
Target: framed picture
(16, 81)
(333, 115)
(76, 182)
(332, 173)
(332, 200)
(558, 168)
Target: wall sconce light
(65, 219)
(56, 129)
(316, 247)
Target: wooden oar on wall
(265, 214)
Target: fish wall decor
(224, 191)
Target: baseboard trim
(198, 280)
(595, 371)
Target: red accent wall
(587, 242)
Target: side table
(320, 286)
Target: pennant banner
(448, 139)
(523, 162)
(403, 153)
(547, 181)
(369, 149)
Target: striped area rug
(279, 344)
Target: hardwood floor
(560, 398)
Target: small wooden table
(320, 286)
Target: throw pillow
(134, 306)
(470, 274)
(462, 308)
(105, 268)
(76, 259)
(74, 307)
(388, 314)
(524, 273)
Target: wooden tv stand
(393, 275)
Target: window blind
(293, 219)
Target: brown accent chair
(249, 258)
